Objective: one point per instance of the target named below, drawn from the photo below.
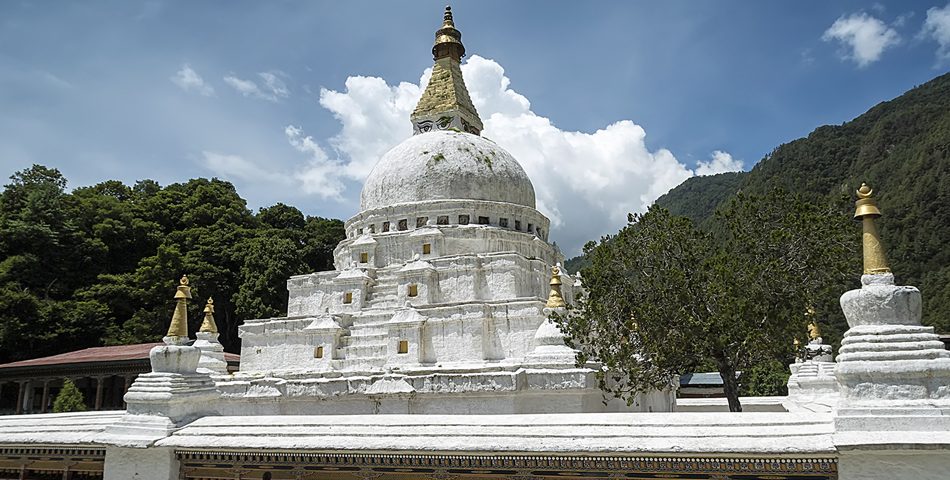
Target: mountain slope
(902, 149)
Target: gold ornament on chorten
(555, 300)
(875, 262)
(445, 103)
(208, 324)
(448, 40)
(179, 325)
(813, 330)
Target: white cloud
(937, 26)
(585, 182)
(719, 162)
(864, 37)
(321, 175)
(188, 80)
(374, 117)
(235, 166)
(272, 89)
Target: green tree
(664, 297)
(69, 399)
(98, 265)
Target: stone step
(365, 351)
(389, 297)
(358, 363)
(370, 333)
(373, 338)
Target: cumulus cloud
(719, 162)
(321, 175)
(585, 182)
(937, 27)
(272, 87)
(864, 37)
(236, 166)
(188, 80)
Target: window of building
(483, 220)
(503, 222)
(403, 225)
(359, 231)
(403, 347)
(364, 257)
(530, 227)
(318, 352)
(442, 220)
(385, 226)
(463, 219)
(518, 225)
(372, 228)
(426, 248)
(421, 221)
(348, 297)
(413, 290)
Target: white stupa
(439, 289)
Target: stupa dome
(443, 165)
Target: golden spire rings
(875, 262)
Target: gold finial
(208, 324)
(555, 300)
(445, 103)
(179, 326)
(875, 262)
(813, 330)
(448, 40)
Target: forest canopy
(99, 265)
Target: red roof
(116, 353)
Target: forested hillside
(902, 149)
(99, 265)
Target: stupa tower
(440, 286)
(445, 104)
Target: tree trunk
(730, 385)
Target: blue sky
(292, 101)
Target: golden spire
(813, 330)
(555, 300)
(448, 40)
(445, 103)
(208, 324)
(179, 326)
(875, 263)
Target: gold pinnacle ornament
(179, 326)
(555, 300)
(875, 263)
(208, 324)
(813, 330)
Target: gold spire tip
(555, 299)
(208, 325)
(184, 291)
(866, 210)
(178, 329)
(447, 17)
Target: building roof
(55, 429)
(117, 353)
(602, 433)
(711, 379)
